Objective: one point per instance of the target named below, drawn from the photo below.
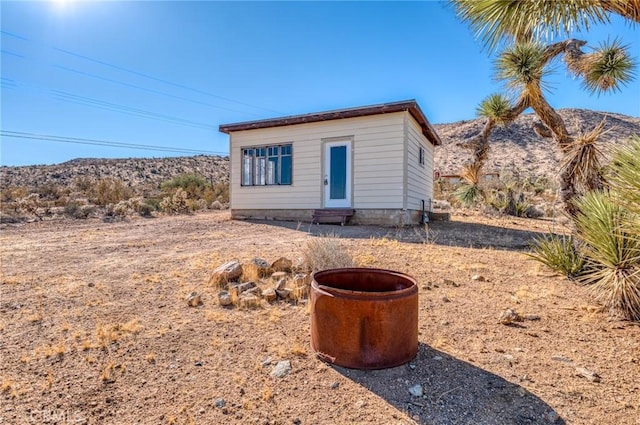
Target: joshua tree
(523, 64)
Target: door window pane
(338, 173)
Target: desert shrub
(520, 209)
(216, 205)
(83, 184)
(558, 253)
(31, 204)
(51, 192)
(325, 252)
(197, 188)
(75, 209)
(541, 184)
(497, 200)
(442, 189)
(612, 252)
(109, 191)
(218, 192)
(193, 184)
(12, 194)
(197, 204)
(140, 206)
(121, 209)
(509, 202)
(176, 204)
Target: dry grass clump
(326, 252)
(108, 333)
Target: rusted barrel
(364, 318)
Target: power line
(137, 87)
(13, 35)
(182, 86)
(6, 52)
(84, 141)
(141, 74)
(134, 86)
(101, 104)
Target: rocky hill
(132, 171)
(516, 148)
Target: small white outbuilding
(368, 165)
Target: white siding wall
(377, 163)
(419, 177)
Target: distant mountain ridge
(132, 171)
(516, 148)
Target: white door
(337, 174)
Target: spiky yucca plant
(495, 20)
(608, 67)
(612, 253)
(624, 178)
(558, 253)
(469, 191)
(471, 174)
(496, 107)
(521, 64)
(468, 194)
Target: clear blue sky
(168, 73)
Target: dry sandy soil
(95, 329)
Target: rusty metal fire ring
(364, 318)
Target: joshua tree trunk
(480, 145)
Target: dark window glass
(269, 165)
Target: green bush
(193, 184)
(558, 253)
(197, 189)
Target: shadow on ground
(448, 233)
(454, 392)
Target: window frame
(260, 158)
(421, 152)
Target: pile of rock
(247, 284)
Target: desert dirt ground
(94, 328)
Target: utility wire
(6, 52)
(140, 74)
(84, 141)
(160, 80)
(137, 87)
(13, 35)
(134, 86)
(101, 104)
